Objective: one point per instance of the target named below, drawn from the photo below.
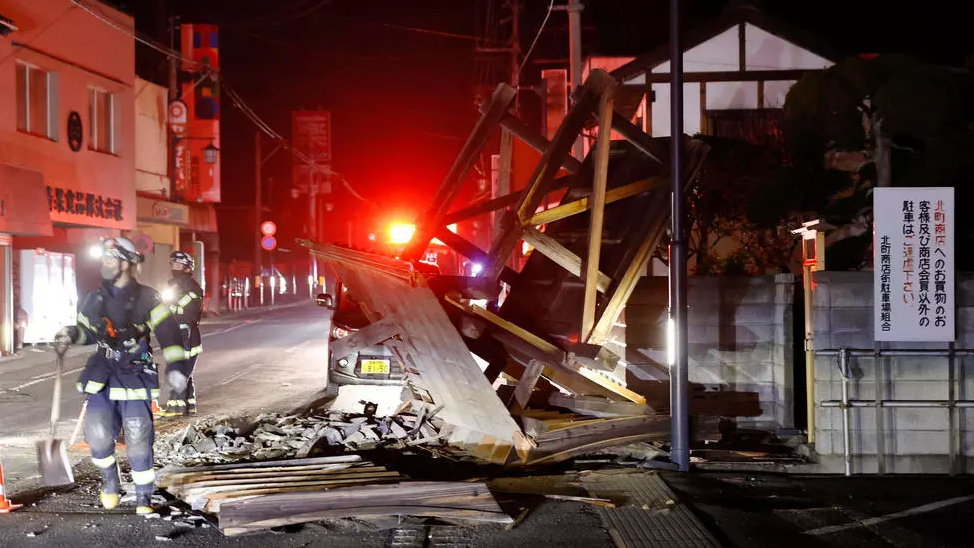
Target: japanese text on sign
(914, 246)
(84, 203)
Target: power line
(235, 98)
(524, 61)
(131, 33)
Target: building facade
(67, 155)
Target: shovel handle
(56, 399)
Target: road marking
(45, 378)
(50, 376)
(229, 329)
(932, 507)
(237, 375)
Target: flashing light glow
(167, 294)
(95, 251)
(372, 237)
(401, 233)
(476, 268)
(670, 341)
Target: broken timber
(588, 253)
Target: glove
(64, 338)
(67, 335)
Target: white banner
(913, 246)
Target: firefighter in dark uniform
(185, 299)
(121, 379)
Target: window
(101, 120)
(36, 101)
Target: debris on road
(280, 436)
(249, 497)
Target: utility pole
(507, 138)
(575, 8)
(679, 369)
(257, 205)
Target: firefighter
(121, 379)
(185, 298)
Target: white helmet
(122, 249)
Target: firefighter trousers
(182, 393)
(104, 420)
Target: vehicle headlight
(343, 362)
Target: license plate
(375, 367)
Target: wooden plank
(468, 500)
(525, 386)
(369, 335)
(288, 463)
(276, 476)
(560, 255)
(500, 102)
(599, 407)
(602, 427)
(196, 491)
(297, 478)
(180, 479)
(566, 210)
(599, 185)
(636, 136)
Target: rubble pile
(283, 436)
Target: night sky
(403, 101)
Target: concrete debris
(278, 436)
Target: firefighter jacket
(187, 307)
(120, 321)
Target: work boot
(191, 409)
(111, 488)
(173, 410)
(143, 503)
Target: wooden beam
(471, 251)
(636, 136)
(560, 255)
(599, 185)
(564, 211)
(544, 174)
(511, 328)
(499, 104)
(496, 203)
(624, 288)
(483, 207)
(535, 140)
(526, 384)
(732, 76)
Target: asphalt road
(252, 362)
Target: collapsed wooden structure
(553, 332)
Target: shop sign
(85, 204)
(158, 211)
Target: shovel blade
(53, 463)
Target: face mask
(110, 274)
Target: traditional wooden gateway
(549, 330)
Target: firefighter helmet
(122, 249)
(183, 258)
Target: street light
(210, 154)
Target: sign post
(914, 275)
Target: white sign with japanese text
(913, 246)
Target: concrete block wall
(910, 440)
(740, 339)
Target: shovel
(52, 453)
